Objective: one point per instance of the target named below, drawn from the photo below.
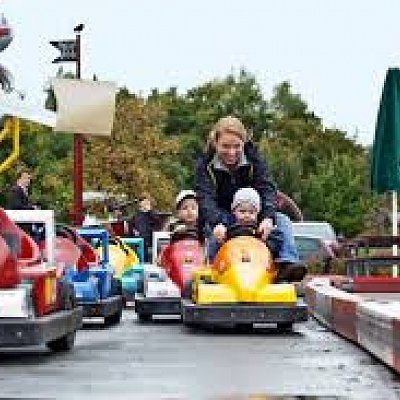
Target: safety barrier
(372, 324)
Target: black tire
(192, 326)
(67, 295)
(144, 317)
(64, 343)
(116, 287)
(67, 301)
(244, 327)
(113, 319)
(140, 286)
(188, 290)
(285, 326)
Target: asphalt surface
(163, 360)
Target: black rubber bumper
(129, 297)
(158, 305)
(244, 313)
(16, 332)
(102, 308)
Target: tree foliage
(134, 159)
(157, 138)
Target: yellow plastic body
(243, 272)
(11, 129)
(122, 258)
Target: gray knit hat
(247, 195)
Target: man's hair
(23, 171)
(145, 196)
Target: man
(144, 223)
(19, 196)
(18, 199)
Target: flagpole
(78, 147)
(394, 229)
(71, 52)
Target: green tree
(48, 156)
(191, 115)
(133, 160)
(339, 193)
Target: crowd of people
(232, 186)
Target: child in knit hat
(185, 217)
(187, 212)
(246, 205)
(187, 208)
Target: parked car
(316, 241)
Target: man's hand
(265, 228)
(220, 232)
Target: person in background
(187, 212)
(18, 198)
(144, 223)
(116, 214)
(185, 218)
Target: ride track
(163, 361)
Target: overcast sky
(334, 52)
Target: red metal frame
(78, 180)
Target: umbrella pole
(395, 230)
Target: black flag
(67, 49)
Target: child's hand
(265, 228)
(220, 232)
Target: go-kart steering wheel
(184, 233)
(236, 230)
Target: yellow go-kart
(122, 256)
(240, 288)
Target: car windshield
(307, 247)
(322, 231)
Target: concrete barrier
(372, 324)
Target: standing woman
(232, 162)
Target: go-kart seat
(29, 251)
(9, 276)
(19, 242)
(88, 255)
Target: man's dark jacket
(18, 199)
(215, 187)
(145, 222)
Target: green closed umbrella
(385, 171)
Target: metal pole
(78, 153)
(394, 229)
